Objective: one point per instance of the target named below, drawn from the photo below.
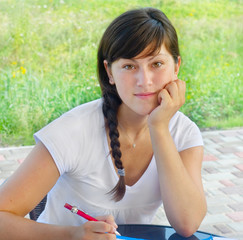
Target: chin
(145, 111)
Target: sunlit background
(48, 59)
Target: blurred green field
(48, 59)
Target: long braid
(111, 104)
(126, 37)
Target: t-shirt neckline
(140, 180)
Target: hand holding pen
(79, 212)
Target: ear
(109, 73)
(177, 66)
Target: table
(157, 232)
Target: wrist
(159, 133)
(70, 232)
(158, 127)
(158, 123)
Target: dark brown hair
(126, 37)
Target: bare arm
(180, 184)
(179, 173)
(24, 190)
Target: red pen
(75, 210)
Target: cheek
(122, 88)
(123, 81)
(164, 77)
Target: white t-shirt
(78, 144)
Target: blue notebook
(209, 238)
(129, 238)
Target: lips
(145, 95)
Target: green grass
(48, 59)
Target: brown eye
(129, 67)
(157, 64)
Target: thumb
(163, 96)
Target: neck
(132, 123)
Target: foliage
(48, 59)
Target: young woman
(120, 156)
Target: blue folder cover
(128, 238)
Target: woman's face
(140, 79)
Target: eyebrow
(151, 57)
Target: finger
(103, 227)
(103, 236)
(164, 96)
(180, 84)
(172, 89)
(108, 236)
(97, 230)
(108, 219)
(181, 90)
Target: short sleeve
(185, 132)
(68, 137)
(59, 137)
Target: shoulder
(87, 113)
(85, 110)
(69, 136)
(180, 120)
(184, 132)
(74, 125)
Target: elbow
(186, 230)
(188, 223)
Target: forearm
(184, 203)
(15, 227)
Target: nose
(144, 77)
